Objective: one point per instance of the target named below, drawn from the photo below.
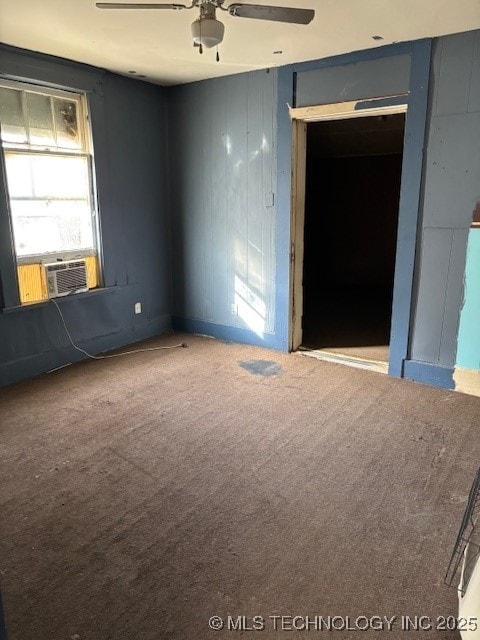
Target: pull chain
(200, 50)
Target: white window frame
(85, 151)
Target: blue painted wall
(223, 207)
(228, 171)
(230, 158)
(349, 77)
(468, 350)
(451, 189)
(130, 141)
(218, 193)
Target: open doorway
(353, 176)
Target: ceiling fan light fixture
(207, 31)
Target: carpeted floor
(142, 495)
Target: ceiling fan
(207, 31)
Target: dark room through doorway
(353, 176)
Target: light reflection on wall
(228, 144)
(251, 308)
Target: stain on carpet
(261, 367)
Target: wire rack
(467, 544)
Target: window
(48, 160)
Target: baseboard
(424, 372)
(427, 373)
(24, 368)
(467, 381)
(228, 334)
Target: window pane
(59, 176)
(19, 175)
(42, 176)
(66, 123)
(40, 120)
(56, 214)
(11, 116)
(46, 226)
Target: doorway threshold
(350, 361)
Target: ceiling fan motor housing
(207, 30)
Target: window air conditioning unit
(65, 278)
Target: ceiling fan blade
(128, 5)
(277, 14)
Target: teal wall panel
(468, 350)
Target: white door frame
(300, 118)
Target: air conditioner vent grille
(62, 266)
(71, 279)
(64, 278)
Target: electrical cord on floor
(112, 355)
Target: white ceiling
(158, 44)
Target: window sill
(103, 291)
